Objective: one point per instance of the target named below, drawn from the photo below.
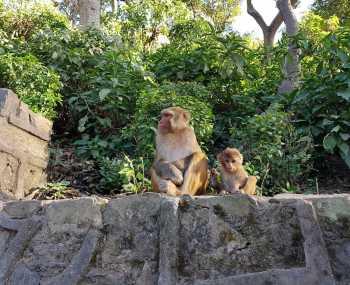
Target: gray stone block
(154, 239)
(23, 146)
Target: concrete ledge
(153, 239)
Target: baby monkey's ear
(219, 156)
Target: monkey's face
(165, 121)
(173, 119)
(230, 159)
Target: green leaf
(344, 136)
(336, 129)
(103, 93)
(346, 158)
(82, 123)
(329, 142)
(344, 147)
(344, 94)
(343, 56)
(326, 122)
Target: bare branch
(256, 15)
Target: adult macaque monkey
(180, 166)
(233, 176)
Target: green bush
(23, 23)
(274, 150)
(152, 100)
(35, 84)
(109, 103)
(101, 81)
(197, 53)
(322, 105)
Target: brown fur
(233, 175)
(176, 145)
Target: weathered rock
(23, 276)
(22, 209)
(154, 239)
(23, 146)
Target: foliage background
(104, 89)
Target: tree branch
(256, 15)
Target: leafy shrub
(26, 22)
(153, 100)
(35, 84)
(71, 52)
(274, 150)
(202, 55)
(101, 81)
(123, 175)
(108, 105)
(322, 105)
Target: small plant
(54, 191)
(124, 175)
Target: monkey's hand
(168, 171)
(214, 172)
(214, 180)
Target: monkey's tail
(250, 187)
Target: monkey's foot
(168, 187)
(234, 192)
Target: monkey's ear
(241, 157)
(219, 156)
(187, 116)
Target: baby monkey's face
(230, 159)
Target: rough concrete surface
(152, 239)
(24, 138)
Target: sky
(267, 8)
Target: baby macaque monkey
(234, 179)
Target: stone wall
(24, 138)
(153, 239)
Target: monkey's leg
(250, 187)
(168, 171)
(196, 175)
(163, 186)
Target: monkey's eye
(233, 161)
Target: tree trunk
(90, 13)
(291, 65)
(115, 6)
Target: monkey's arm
(162, 185)
(168, 171)
(196, 175)
(214, 181)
